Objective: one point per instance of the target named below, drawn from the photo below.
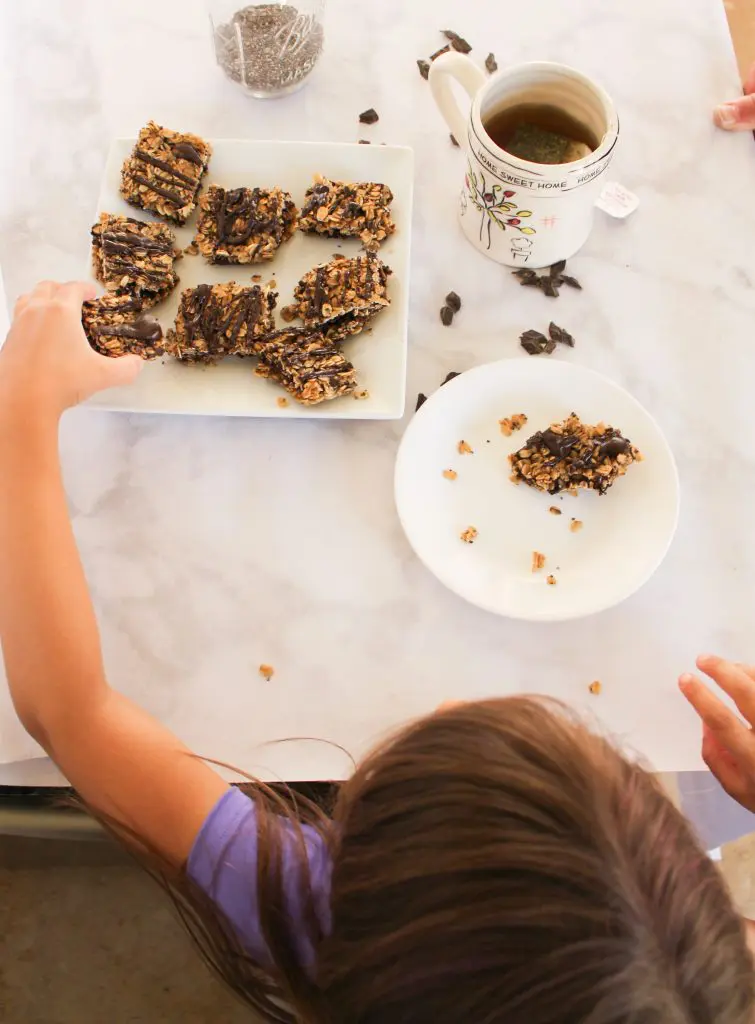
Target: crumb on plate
(450, 474)
(511, 423)
(463, 448)
(282, 402)
(595, 687)
(551, 581)
(469, 535)
(575, 525)
(538, 560)
(267, 672)
(554, 510)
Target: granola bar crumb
(191, 249)
(450, 474)
(469, 535)
(538, 560)
(267, 672)
(512, 423)
(555, 510)
(464, 449)
(282, 402)
(575, 525)
(551, 581)
(595, 687)
(361, 395)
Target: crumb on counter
(469, 535)
(267, 672)
(463, 448)
(538, 561)
(450, 474)
(575, 525)
(511, 423)
(595, 687)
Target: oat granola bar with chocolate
(220, 320)
(131, 257)
(164, 172)
(303, 361)
(342, 209)
(115, 325)
(572, 455)
(244, 225)
(345, 294)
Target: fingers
(737, 116)
(122, 370)
(730, 732)
(722, 764)
(75, 292)
(734, 680)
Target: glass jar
(269, 49)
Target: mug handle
(461, 69)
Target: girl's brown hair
(497, 862)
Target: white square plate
(232, 388)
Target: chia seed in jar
(269, 48)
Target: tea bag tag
(617, 201)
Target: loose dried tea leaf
(449, 376)
(459, 44)
(571, 281)
(421, 399)
(560, 335)
(453, 300)
(446, 316)
(453, 140)
(369, 116)
(424, 68)
(365, 142)
(524, 273)
(557, 268)
(438, 53)
(533, 342)
(549, 287)
(491, 64)
(550, 346)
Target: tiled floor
(85, 938)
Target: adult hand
(739, 115)
(728, 743)
(47, 364)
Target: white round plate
(625, 535)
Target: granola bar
(341, 209)
(131, 257)
(164, 172)
(345, 294)
(244, 225)
(303, 361)
(220, 320)
(115, 325)
(572, 454)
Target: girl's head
(498, 862)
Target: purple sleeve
(223, 862)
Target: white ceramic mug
(514, 211)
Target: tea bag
(540, 146)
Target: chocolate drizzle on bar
(152, 178)
(215, 321)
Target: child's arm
(120, 760)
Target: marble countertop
(214, 545)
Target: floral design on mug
(495, 206)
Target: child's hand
(47, 364)
(728, 743)
(739, 115)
